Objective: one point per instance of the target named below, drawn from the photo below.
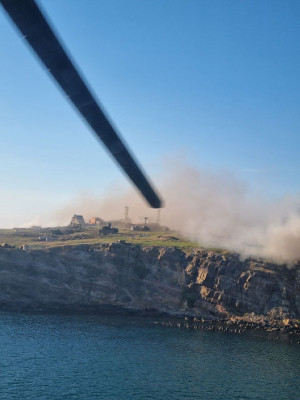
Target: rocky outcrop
(238, 287)
(124, 277)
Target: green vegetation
(64, 236)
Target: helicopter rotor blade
(34, 27)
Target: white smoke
(218, 210)
(36, 221)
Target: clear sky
(216, 80)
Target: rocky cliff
(148, 279)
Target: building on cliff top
(77, 220)
(96, 221)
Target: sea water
(101, 357)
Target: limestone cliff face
(153, 279)
(235, 287)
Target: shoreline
(271, 330)
(286, 334)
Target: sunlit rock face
(122, 277)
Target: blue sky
(217, 81)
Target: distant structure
(144, 228)
(25, 247)
(140, 228)
(46, 239)
(108, 230)
(126, 214)
(77, 220)
(96, 221)
(35, 228)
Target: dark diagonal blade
(36, 30)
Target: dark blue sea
(101, 357)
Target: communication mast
(126, 213)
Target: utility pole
(126, 213)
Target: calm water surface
(76, 357)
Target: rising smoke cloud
(214, 209)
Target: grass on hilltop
(91, 237)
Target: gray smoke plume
(219, 211)
(216, 210)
